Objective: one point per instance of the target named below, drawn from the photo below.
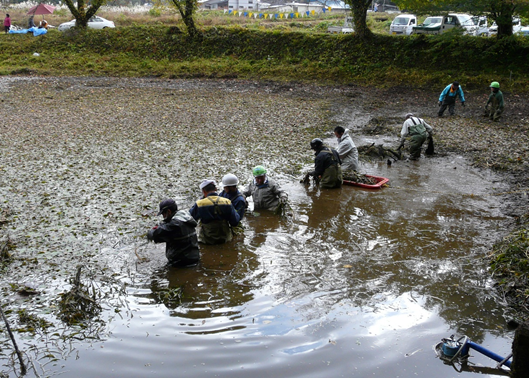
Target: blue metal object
(452, 349)
(496, 357)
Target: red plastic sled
(380, 181)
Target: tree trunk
(504, 13)
(80, 13)
(520, 345)
(189, 20)
(187, 8)
(360, 8)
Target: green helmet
(259, 171)
(495, 84)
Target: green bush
(383, 60)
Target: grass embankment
(510, 267)
(271, 55)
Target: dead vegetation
(80, 303)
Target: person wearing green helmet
(264, 191)
(495, 101)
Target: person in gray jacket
(346, 149)
(264, 191)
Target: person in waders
(216, 215)
(238, 201)
(495, 101)
(327, 165)
(448, 98)
(178, 232)
(346, 149)
(265, 192)
(417, 130)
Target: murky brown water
(354, 283)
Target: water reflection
(216, 287)
(380, 263)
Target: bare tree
(83, 12)
(187, 10)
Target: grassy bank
(271, 55)
(510, 267)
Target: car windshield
(465, 20)
(432, 21)
(401, 21)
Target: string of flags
(241, 13)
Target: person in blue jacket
(448, 98)
(231, 192)
(216, 215)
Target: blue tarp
(36, 31)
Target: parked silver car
(94, 22)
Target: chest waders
(332, 176)
(217, 231)
(418, 135)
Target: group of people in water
(218, 215)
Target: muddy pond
(351, 283)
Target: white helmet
(230, 180)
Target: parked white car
(94, 22)
(442, 24)
(403, 24)
(516, 27)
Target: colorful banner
(286, 16)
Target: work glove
(400, 146)
(440, 103)
(463, 103)
(283, 200)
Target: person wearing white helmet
(417, 130)
(231, 192)
(495, 101)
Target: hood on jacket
(345, 135)
(185, 216)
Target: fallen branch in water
(22, 365)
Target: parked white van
(403, 24)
